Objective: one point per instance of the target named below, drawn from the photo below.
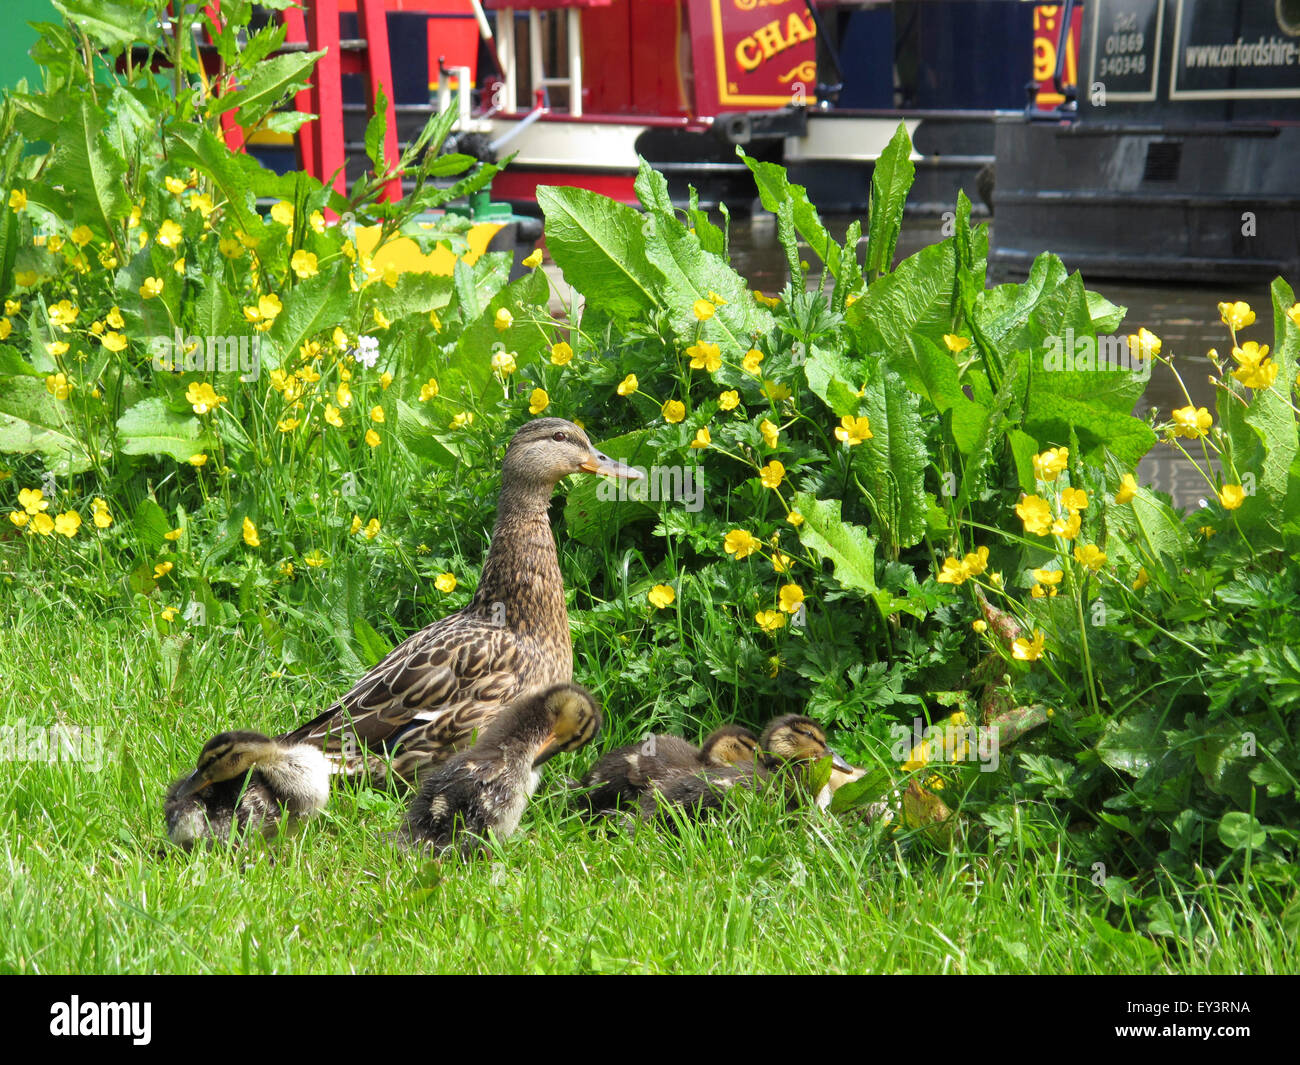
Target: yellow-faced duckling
(441, 685)
(245, 781)
(620, 777)
(485, 789)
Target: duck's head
(792, 738)
(226, 756)
(572, 716)
(546, 450)
(730, 745)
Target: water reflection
(1185, 317)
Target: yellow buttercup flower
(332, 416)
(198, 460)
(1144, 343)
(202, 397)
(703, 438)
(315, 558)
(1232, 496)
(704, 310)
(1049, 464)
(99, 514)
(304, 264)
(1128, 487)
(343, 395)
(19, 518)
(1029, 650)
(1036, 514)
(1143, 579)
(781, 562)
(287, 425)
(372, 438)
(661, 596)
(1236, 315)
(538, 401)
(282, 212)
(169, 234)
(791, 598)
(173, 535)
(533, 260)
(705, 356)
(561, 354)
(461, 420)
(356, 525)
(162, 569)
(853, 431)
(776, 391)
(956, 344)
(728, 400)
(1067, 528)
(1048, 576)
(1255, 369)
(503, 364)
(168, 613)
(794, 518)
(317, 222)
(628, 385)
(58, 348)
(674, 411)
(770, 432)
(43, 525)
(770, 620)
(740, 543)
(1074, 498)
(428, 390)
(503, 320)
(250, 533)
(772, 474)
(58, 385)
(1192, 422)
(766, 301)
(151, 287)
(174, 185)
(752, 361)
(377, 414)
(67, 523)
(17, 200)
(1091, 556)
(81, 236)
(372, 528)
(445, 583)
(1293, 312)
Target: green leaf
(689, 274)
(1145, 530)
(374, 647)
(775, 188)
(108, 23)
(376, 131)
(891, 179)
(599, 245)
(151, 428)
(265, 86)
(91, 174)
(893, 459)
(850, 548)
(915, 299)
(200, 148)
(313, 306)
(1239, 830)
(32, 420)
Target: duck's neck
(521, 587)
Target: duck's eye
(559, 435)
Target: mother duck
(428, 696)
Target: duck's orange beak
(608, 467)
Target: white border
(1155, 63)
(1216, 94)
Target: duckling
(245, 780)
(486, 787)
(621, 776)
(788, 743)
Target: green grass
(92, 886)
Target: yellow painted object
(405, 254)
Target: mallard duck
(429, 695)
(788, 743)
(620, 777)
(245, 781)
(485, 788)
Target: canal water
(1184, 317)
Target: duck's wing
(426, 696)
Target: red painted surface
(543, 5)
(751, 56)
(632, 58)
(374, 28)
(296, 33)
(327, 93)
(1047, 36)
(518, 183)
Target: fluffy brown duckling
(245, 781)
(788, 744)
(620, 777)
(485, 788)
